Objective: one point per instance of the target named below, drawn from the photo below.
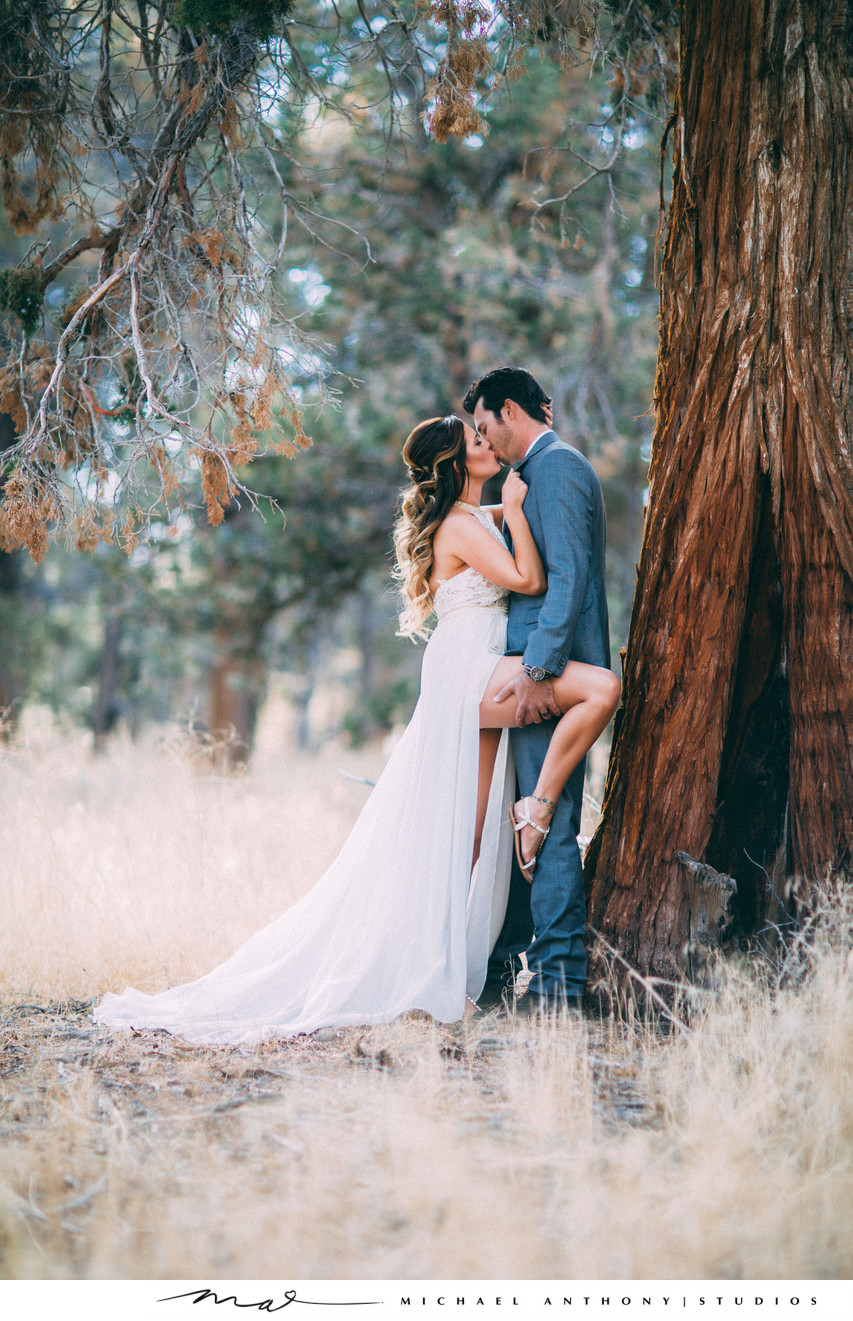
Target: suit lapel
(543, 444)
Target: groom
(565, 511)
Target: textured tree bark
(735, 739)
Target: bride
(406, 916)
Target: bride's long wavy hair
(434, 454)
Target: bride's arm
(466, 540)
(525, 550)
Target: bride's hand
(513, 493)
(548, 410)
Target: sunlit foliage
(151, 340)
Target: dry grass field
(494, 1151)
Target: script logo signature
(263, 1304)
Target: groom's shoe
(495, 997)
(539, 1006)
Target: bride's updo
(434, 454)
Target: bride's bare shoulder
(449, 529)
(455, 518)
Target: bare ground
(107, 1137)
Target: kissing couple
(465, 855)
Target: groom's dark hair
(508, 383)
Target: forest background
(413, 265)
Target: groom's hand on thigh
(535, 702)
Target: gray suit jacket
(565, 510)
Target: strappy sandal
(519, 821)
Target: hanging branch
(178, 333)
(149, 335)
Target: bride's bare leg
(588, 696)
(489, 741)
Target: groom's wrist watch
(536, 673)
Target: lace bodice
(469, 590)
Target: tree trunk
(107, 706)
(235, 684)
(11, 690)
(734, 743)
(11, 677)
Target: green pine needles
(219, 17)
(22, 294)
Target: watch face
(536, 673)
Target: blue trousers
(547, 918)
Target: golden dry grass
(494, 1151)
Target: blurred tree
(418, 265)
(13, 669)
(152, 327)
(468, 266)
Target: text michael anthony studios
(487, 1300)
(618, 1302)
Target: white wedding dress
(397, 922)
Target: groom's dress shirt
(544, 432)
